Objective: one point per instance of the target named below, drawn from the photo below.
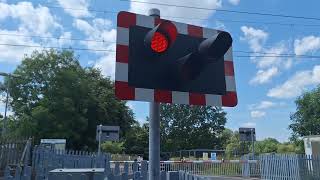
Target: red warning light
(159, 42)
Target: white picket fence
(235, 168)
(52, 165)
(289, 167)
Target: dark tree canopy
(306, 119)
(57, 98)
(191, 127)
(137, 140)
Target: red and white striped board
(125, 92)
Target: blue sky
(267, 86)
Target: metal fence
(101, 174)
(45, 160)
(290, 167)
(235, 168)
(52, 165)
(11, 152)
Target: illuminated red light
(159, 42)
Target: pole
(154, 129)
(252, 140)
(154, 142)
(99, 146)
(4, 130)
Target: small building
(108, 133)
(312, 145)
(54, 144)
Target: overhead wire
(105, 50)
(50, 6)
(227, 10)
(55, 47)
(113, 51)
(51, 37)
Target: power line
(102, 41)
(113, 51)
(275, 54)
(280, 56)
(195, 18)
(249, 22)
(226, 10)
(53, 47)
(56, 38)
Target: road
(229, 178)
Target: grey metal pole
(154, 130)
(99, 146)
(252, 140)
(4, 130)
(154, 142)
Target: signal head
(160, 38)
(216, 46)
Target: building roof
(109, 128)
(311, 136)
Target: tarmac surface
(229, 178)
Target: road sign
(108, 133)
(169, 62)
(247, 134)
(213, 156)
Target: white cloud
(143, 8)
(268, 62)
(31, 21)
(255, 37)
(234, 2)
(288, 64)
(306, 45)
(263, 105)
(64, 39)
(249, 124)
(12, 54)
(257, 114)
(100, 29)
(271, 58)
(264, 76)
(76, 8)
(107, 64)
(296, 84)
(39, 20)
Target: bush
(112, 147)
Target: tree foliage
(137, 139)
(306, 119)
(269, 145)
(57, 98)
(191, 127)
(112, 147)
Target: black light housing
(209, 50)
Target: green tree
(269, 145)
(306, 119)
(190, 127)
(233, 145)
(57, 98)
(226, 137)
(112, 147)
(137, 139)
(286, 148)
